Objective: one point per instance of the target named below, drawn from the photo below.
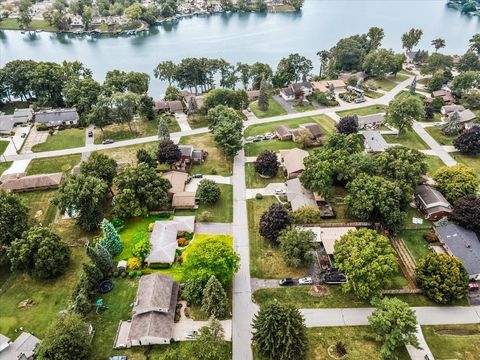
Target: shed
(122, 265)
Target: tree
(224, 114)
(368, 259)
(263, 96)
(215, 301)
(143, 156)
(348, 53)
(296, 245)
(100, 114)
(133, 13)
(297, 4)
(47, 82)
(82, 196)
(228, 137)
(456, 181)
(101, 258)
(142, 249)
(235, 99)
(208, 192)
(24, 18)
(279, 332)
(193, 291)
(273, 221)
(469, 6)
(452, 126)
(211, 257)
(469, 62)
(67, 338)
(39, 252)
(163, 130)
(475, 43)
(244, 71)
(348, 125)
(466, 212)
(375, 198)
(411, 38)
(442, 277)
(465, 82)
(437, 62)
(469, 141)
(111, 240)
(324, 56)
(166, 71)
(14, 218)
(375, 36)
(394, 324)
(145, 107)
(438, 43)
(436, 82)
(403, 111)
(471, 100)
(100, 166)
(82, 94)
(292, 68)
(168, 152)
(259, 71)
(213, 332)
(266, 164)
(378, 63)
(307, 215)
(172, 94)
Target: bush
(116, 274)
(181, 241)
(205, 216)
(138, 273)
(150, 227)
(131, 274)
(117, 223)
(124, 274)
(188, 235)
(430, 237)
(134, 263)
(142, 249)
(208, 192)
(258, 196)
(42, 127)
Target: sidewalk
(424, 351)
(430, 141)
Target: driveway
(17, 141)
(430, 141)
(182, 121)
(269, 190)
(35, 137)
(284, 104)
(213, 228)
(17, 167)
(263, 284)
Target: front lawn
(3, 146)
(197, 121)
(274, 109)
(367, 110)
(256, 148)
(385, 84)
(53, 164)
(434, 163)
(470, 160)
(62, 139)
(129, 153)
(453, 341)
(12, 24)
(303, 107)
(442, 139)
(373, 94)
(4, 166)
(222, 210)
(409, 139)
(48, 296)
(216, 163)
(254, 180)
(265, 259)
(40, 206)
(415, 243)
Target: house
(178, 180)
(374, 142)
(329, 235)
(57, 117)
(463, 244)
(164, 239)
(298, 195)
(323, 86)
(77, 21)
(314, 129)
(6, 124)
(445, 95)
(21, 183)
(184, 200)
(431, 202)
(289, 93)
(373, 121)
(23, 348)
(187, 151)
(446, 110)
(153, 313)
(411, 55)
(168, 106)
(187, 96)
(292, 161)
(283, 133)
(467, 117)
(358, 76)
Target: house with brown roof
(21, 183)
(292, 161)
(445, 95)
(283, 133)
(289, 93)
(314, 129)
(175, 106)
(446, 110)
(323, 86)
(178, 180)
(431, 202)
(187, 96)
(153, 313)
(466, 117)
(184, 200)
(23, 348)
(328, 236)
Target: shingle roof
(32, 182)
(313, 128)
(24, 344)
(6, 123)
(184, 200)
(374, 141)
(56, 116)
(164, 242)
(282, 130)
(186, 150)
(447, 109)
(430, 197)
(298, 195)
(293, 159)
(23, 115)
(153, 294)
(371, 119)
(177, 180)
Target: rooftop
(298, 195)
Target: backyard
(53, 164)
(453, 341)
(442, 139)
(415, 242)
(254, 180)
(62, 139)
(40, 207)
(274, 109)
(409, 139)
(129, 153)
(367, 110)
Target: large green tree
(379, 63)
(296, 245)
(215, 300)
(208, 192)
(100, 166)
(168, 152)
(292, 68)
(82, 94)
(456, 181)
(403, 111)
(165, 71)
(110, 240)
(411, 38)
(14, 218)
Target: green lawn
(406, 93)
(12, 24)
(470, 160)
(39, 203)
(129, 153)
(53, 164)
(367, 110)
(197, 121)
(303, 108)
(4, 166)
(453, 341)
(216, 162)
(3, 146)
(49, 297)
(373, 94)
(274, 109)
(411, 213)
(265, 259)
(222, 210)
(256, 148)
(385, 84)
(63, 139)
(409, 139)
(415, 243)
(336, 200)
(442, 139)
(254, 180)
(434, 163)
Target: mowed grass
(62, 139)
(3, 146)
(274, 109)
(409, 139)
(470, 160)
(53, 165)
(216, 163)
(4, 166)
(415, 243)
(385, 84)
(434, 163)
(254, 180)
(222, 210)
(453, 341)
(304, 107)
(442, 139)
(256, 148)
(265, 259)
(12, 24)
(40, 206)
(129, 153)
(48, 296)
(367, 110)
(197, 121)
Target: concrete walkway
(182, 121)
(17, 141)
(423, 352)
(17, 167)
(213, 228)
(431, 142)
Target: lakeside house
(23, 348)
(290, 92)
(168, 106)
(57, 117)
(373, 121)
(431, 202)
(187, 96)
(19, 117)
(21, 183)
(153, 312)
(374, 142)
(323, 86)
(292, 162)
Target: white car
(305, 281)
(279, 191)
(190, 335)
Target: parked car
(107, 141)
(250, 138)
(472, 287)
(90, 133)
(196, 176)
(24, 135)
(118, 357)
(305, 281)
(192, 334)
(279, 191)
(335, 278)
(286, 282)
(358, 101)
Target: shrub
(258, 196)
(124, 274)
(205, 216)
(208, 192)
(131, 274)
(430, 237)
(116, 274)
(188, 235)
(150, 227)
(134, 263)
(181, 241)
(42, 127)
(139, 273)
(142, 249)
(117, 223)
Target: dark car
(196, 176)
(335, 278)
(107, 141)
(286, 282)
(90, 133)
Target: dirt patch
(319, 290)
(457, 332)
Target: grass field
(3, 146)
(435, 132)
(434, 163)
(216, 162)
(470, 160)
(256, 148)
(453, 341)
(385, 84)
(274, 109)
(367, 110)
(39, 203)
(373, 94)
(254, 180)
(63, 139)
(48, 296)
(129, 153)
(409, 139)
(222, 210)
(53, 165)
(12, 24)
(265, 259)
(303, 108)
(197, 121)
(4, 166)
(415, 243)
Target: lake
(248, 37)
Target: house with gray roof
(374, 142)
(57, 117)
(23, 348)
(298, 195)
(431, 202)
(463, 244)
(6, 124)
(153, 312)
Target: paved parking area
(35, 137)
(269, 190)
